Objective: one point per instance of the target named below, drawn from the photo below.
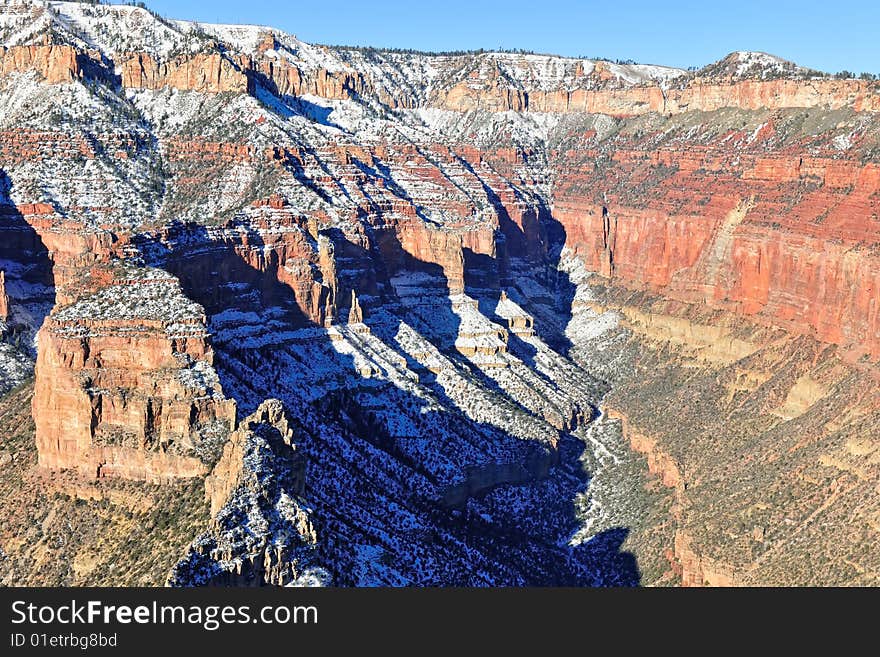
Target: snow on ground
(640, 74)
(21, 22)
(508, 309)
(249, 39)
(151, 295)
(746, 60)
(552, 72)
(121, 28)
(244, 38)
(842, 142)
(585, 325)
(15, 367)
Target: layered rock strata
(283, 188)
(125, 384)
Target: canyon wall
(125, 385)
(220, 73)
(206, 73)
(278, 260)
(788, 239)
(594, 93)
(695, 95)
(55, 63)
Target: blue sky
(826, 35)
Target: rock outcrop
(477, 337)
(519, 322)
(356, 313)
(273, 255)
(697, 95)
(206, 73)
(4, 298)
(125, 385)
(228, 472)
(697, 570)
(261, 533)
(290, 80)
(55, 63)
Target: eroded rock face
(698, 95)
(4, 298)
(261, 533)
(227, 474)
(55, 63)
(206, 73)
(125, 385)
(275, 258)
(730, 246)
(356, 313)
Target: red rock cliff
(125, 387)
(55, 63)
(4, 299)
(699, 95)
(274, 256)
(788, 239)
(207, 73)
(215, 72)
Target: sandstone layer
(4, 298)
(120, 393)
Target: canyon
(293, 314)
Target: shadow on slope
(30, 281)
(527, 252)
(405, 490)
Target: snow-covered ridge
(120, 29)
(552, 72)
(115, 29)
(108, 28)
(146, 294)
(747, 64)
(745, 59)
(22, 21)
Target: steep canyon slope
(372, 317)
